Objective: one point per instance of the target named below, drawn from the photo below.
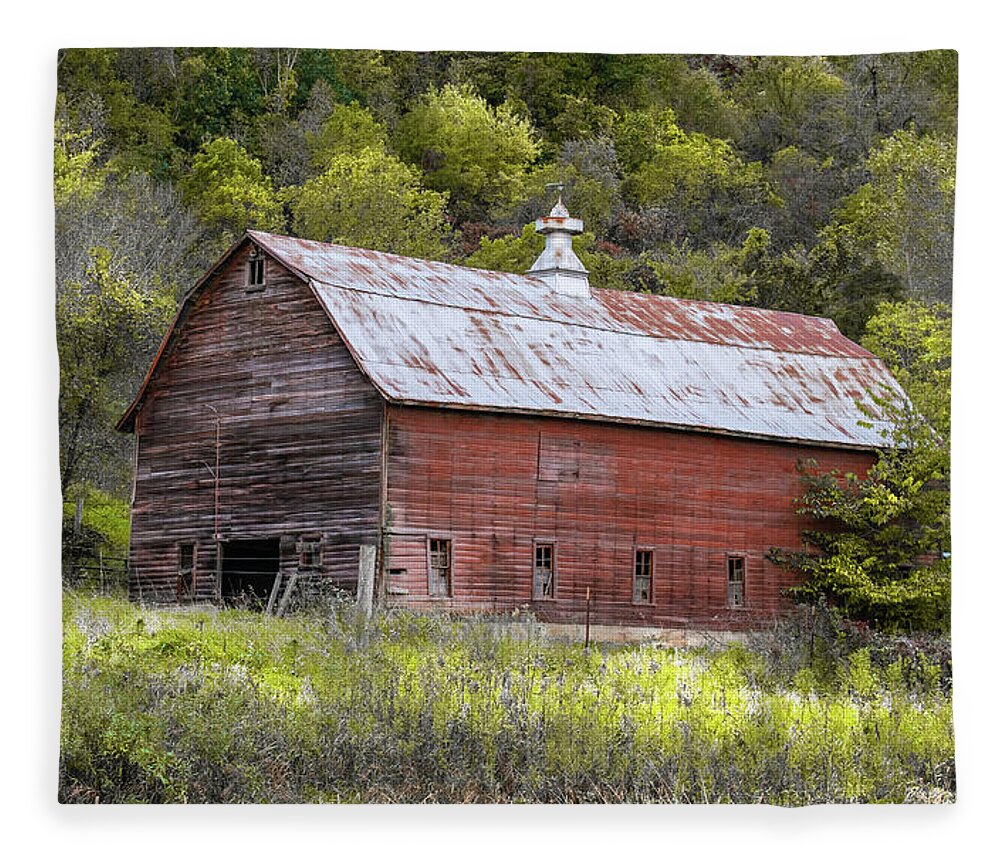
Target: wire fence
(105, 574)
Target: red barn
(491, 440)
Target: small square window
(439, 558)
(545, 572)
(642, 578)
(736, 590)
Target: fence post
(366, 578)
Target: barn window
(545, 571)
(185, 570)
(736, 593)
(439, 552)
(309, 550)
(255, 270)
(642, 577)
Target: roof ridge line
(540, 282)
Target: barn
(472, 440)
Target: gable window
(544, 572)
(255, 270)
(642, 577)
(439, 557)
(736, 590)
(185, 570)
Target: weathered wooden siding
(299, 435)
(496, 484)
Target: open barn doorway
(249, 569)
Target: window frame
(187, 577)
(742, 558)
(256, 258)
(312, 546)
(553, 546)
(431, 579)
(650, 600)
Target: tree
(76, 172)
(791, 101)
(373, 200)
(880, 547)
(914, 341)
(720, 274)
(229, 189)
(349, 128)
(809, 190)
(686, 188)
(834, 278)
(514, 253)
(106, 329)
(478, 154)
(905, 216)
(589, 172)
(887, 92)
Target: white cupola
(558, 265)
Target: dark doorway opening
(249, 568)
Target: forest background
(782, 29)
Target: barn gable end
(255, 428)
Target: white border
(31, 620)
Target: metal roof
(436, 334)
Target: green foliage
(809, 189)
(689, 187)
(373, 200)
(77, 175)
(719, 274)
(905, 216)
(478, 154)
(833, 278)
(589, 173)
(229, 189)
(880, 549)
(103, 513)
(349, 129)
(914, 341)
(103, 324)
(513, 253)
(163, 705)
(791, 101)
(668, 164)
(218, 90)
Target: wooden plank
(287, 596)
(275, 589)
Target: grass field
(185, 706)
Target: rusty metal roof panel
(436, 334)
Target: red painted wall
(496, 484)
